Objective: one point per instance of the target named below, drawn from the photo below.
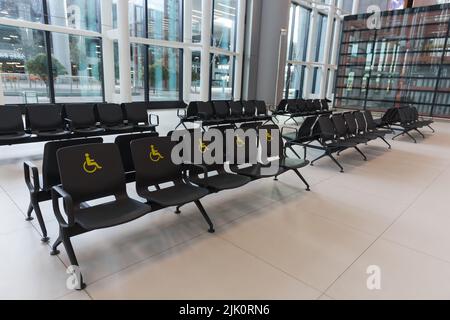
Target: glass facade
(222, 77)
(406, 60)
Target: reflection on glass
(23, 65)
(80, 62)
(138, 52)
(222, 77)
(224, 21)
(77, 14)
(29, 10)
(164, 19)
(196, 21)
(195, 81)
(163, 67)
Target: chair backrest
(317, 105)
(11, 120)
(327, 129)
(302, 106)
(136, 112)
(221, 108)
(351, 122)
(324, 105)
(361, 122)
(81, 114)
(91, 171)
(310, 105)
(266, 141)
(306, 128)
(41, 117)
(236, 108)
(282, 105)
(292, 106)
(415, 113)
(206, 109)
(192, 110)
(109, 114)
(249, 108)
(371, 125)
(153, 163)
(123, 142)
(339, 124)
(50, 172)
(411, 114)
(390, 116)
(261, 108)
(403, 115)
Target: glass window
(196, 21)
(23, 65)
(77, 14)
(321, 34)
(224, 24)
(222, 77)
(164, 19)
(29, 10)
(77, 60)
(138, 52)
(136, 15)
(195, 81)
(300, 33)
(164, 75)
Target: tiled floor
(273, 239)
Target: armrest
(151, 117)
(188, 166)
(69, 123)
(31, 171)
(202, 116)
(58, 192)
(181, 113)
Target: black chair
(207, 114)
(90, 172)
(123, 143)
(372, 125)
(11, 125)
(222, 111)
(406, 124)
(211, 176)
(40, 192)
(190, 114)
(363, 129)
(303, 136)
(136, 115)
(154, 166)
(249, 110)
(111, 118)
(262, 111)
(81, 118)
(421, 121)
(237, 111)
(46, 121)
(356, 129)
(343, 135)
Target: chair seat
(145, 127)
(380, 132)
(343, 144)
(52, 133)
(256, 171)
(176, 195)
(111, 214)
(263, 118)
(290, 136)
(294, 163)
(89, 130)
(14, 136)
(222, 181)
(119, 128)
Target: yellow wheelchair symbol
(240, 142)
(202, 146)
(268, 136)
(155, 156)
(90, 165)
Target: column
(239, 49)
(107, 51)
(124, 50)
(206, 44)
(187, 54)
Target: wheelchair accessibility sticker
(202, 146)
(155, 155)
(240, 142)
(268, 136)
(90, 165)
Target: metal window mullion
(49, 54)
(146, 60)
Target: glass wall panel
(296, 81)
(23, 65)
(77, 14)
(222, 77)
(136, 17)
(138, 52)
(196, 21)
(80, 63)
(164, 73)
(224, 24)
(164, 19)
(29, 10)
(196, 64)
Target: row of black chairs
(93, 170)
(213, 113)
(297, 108)
(61, 121)
(336, 133)
(406, 119)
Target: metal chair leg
(38, 212)
(318, 158)
(432, 130)
(205, 216)
(55, 246)
(423, 136)
(364, 156)
(73, 259)
(303, 179)
(409, 135)
(335, 161)
(385, 141)
(29, 211)
(177, 210)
